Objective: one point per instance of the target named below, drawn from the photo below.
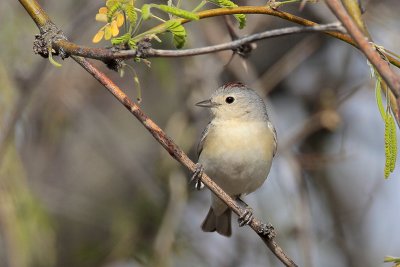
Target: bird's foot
(246, 217)
(196, 177)
(267, 230)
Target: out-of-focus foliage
(27, 233)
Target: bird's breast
(238, 155)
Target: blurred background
(82, 183)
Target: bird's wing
(202, 139)
(272, 128)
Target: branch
(233, 45)
(158, 134)
(147, 52)
(365, 46)
(102, 53)
(176, 152)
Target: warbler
(236, 149)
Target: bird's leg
(264, 230)
(198, 172)
(247, 216)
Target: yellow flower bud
(101, 17)
(103, 10)
(120, 19)
(114, 28)
(99, 35)
(107, 32)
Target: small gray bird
(236, 148)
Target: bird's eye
(229, 100)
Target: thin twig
(230, 45)
(158, 134)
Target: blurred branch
(172, 218)
(369, 50)
(18, 108)
(325, 119)
(43, 22)
(287, 63)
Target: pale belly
(238, 159)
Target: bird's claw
(246, 217)
(198, 172)
(267, 230)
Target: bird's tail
(221, 223)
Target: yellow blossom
(107, 32)
(114, 28)
(120, 19)
(101, 17)
(99, 35)
(103, 10)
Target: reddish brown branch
(369, 50)
(180, 156)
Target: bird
(236, 150)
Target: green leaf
(229, 4)
(242, 20)
(177, 12)
(174, 26)
(146, 14)
(179, 41)
(131, 13)
(391, 259)
(121, 39)
(112, 9)
(378, 96)
(111, 3)
(132, 44)
(178, 31)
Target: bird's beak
(206, 104)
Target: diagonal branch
(180, 156)
(159, 135)
(382, 66)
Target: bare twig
(233, 44)
(42, 21)
(104, 54)
(369, 50)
